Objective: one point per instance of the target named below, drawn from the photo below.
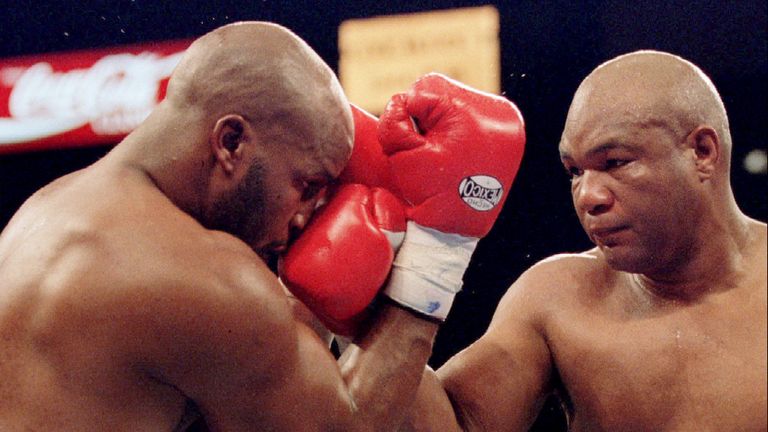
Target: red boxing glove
(341, 260)
(343, 257)
(457, 168)
(368, 164)
(454, 167)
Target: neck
(163, 151)
(717, 258)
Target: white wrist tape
(427, 271)
(395, 238)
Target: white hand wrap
(428, 269)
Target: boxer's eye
(573, 172)
(615, 163)
(310, 190)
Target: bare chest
(690, 368)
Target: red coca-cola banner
(82, 98)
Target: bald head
(267, 74)
(653, 88)
(647, 145)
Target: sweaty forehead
(612, 102)
(330, 154)
(614, 95)
(331, 119)
(322, 133)
(339, 142)
(335, 158)
(593, 112)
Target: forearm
(384, 367)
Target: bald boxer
(662, 326)
(131, 295)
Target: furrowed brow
(606, 147)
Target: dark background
(548, 47)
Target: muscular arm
(302, 314)
(499, 382)
(238, 352)
(383, 369)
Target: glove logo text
(481, 192)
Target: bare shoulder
(208, 293)
(567, 266)
(123, 292)
(553, 284)
(203, 315)
(560, 272)
(139, 279)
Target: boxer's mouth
(607, 236)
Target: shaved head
(651, 87)
(253, 121)
(267, 74)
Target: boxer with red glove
(454, 167)
(343, 257)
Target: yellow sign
(382, 56)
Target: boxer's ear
(706, 147)
(227, 138)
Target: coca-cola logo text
(113, 96)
